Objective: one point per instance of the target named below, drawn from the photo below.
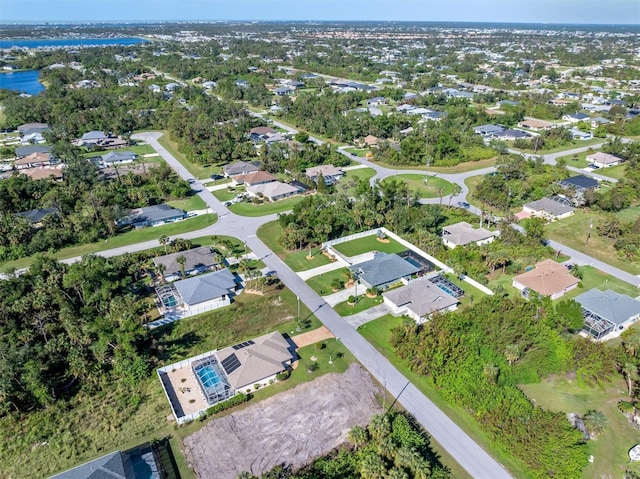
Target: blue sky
(523, 11)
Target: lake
(68, 42)
(24, 81)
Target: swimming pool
(208, 375)
(413, 262)
(170, 301)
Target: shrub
(313, 367)
(228, 404)
(351, 299)
(257, 386)
(320, 346)
(283, 376)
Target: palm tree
(395, 473)
(379, 426)
(358, 435)
(630, 372)
(596, 422)
(512, 353)
(160, 269)
(491, 371)
(457, 189)
(181, 260)
(164, 240)
(372, 467)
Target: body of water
(24, 81)
(69, 42)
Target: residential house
(254, 179)
(579, 183)
(535, 124)
(204, 292)
(462, 234)
(603, 160)
(576, 117)
(434, 115)
(242, 83)
(91, 138)
(151, 216)
(197, 260)
(419, 300)
(512, 135)
(548, 208)
(580, 135)
(405, 108)
(330, 173)
(36, 216)
(239, 168)
(376, 101)
(111, 143)
(273, 191)
(410, 96)
(502, 103)
(548, 278)
(488, 131)
(27, 128)
(283, 91)
(23, 151)
(34, 160)
(43, 173)
(257, 361)
(371, 141)
(599, 120)
(607, 311)
(259, 133)
(118, 158)
(383, 270)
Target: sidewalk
(342, 295)
(310, 273)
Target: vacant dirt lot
(290, 428)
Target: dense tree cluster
(392, 446)
(478, 356)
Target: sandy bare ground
(290, 428)
(318, 334)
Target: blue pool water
(207, 375)
(413, 262)
(447, 290)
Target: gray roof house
(510, 135)
(330, 173)
(606, 311)
(152, 216)
(383, 270)
(579, 183)
(118, 157)
(32, 127)
(200, 292)
(548, 208)
(273, 191)
(488, 130)
(27, 150)
(419, 299)
(197, 260)
(92, 137)
(239, 168)
(461, 234)
(35, 217)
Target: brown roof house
(461, 234)
(548, 278)
(603, 160)
(34, 160)
(253, 179)
(330, 173)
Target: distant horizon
(561, 12)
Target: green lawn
(124, 239)
(349, 182)
(363, 303)
(629, 214)
(378, 333)
(581, 161)
(228, 193)
(197, 170)
(246, 208)
(296, 260)
(616, 172)
(189, 204)
(123, 416)
(367, 244)
(572, 231)
(361, 152)
(611, 447)
(433, 188)
(568, 146)
(459, 168)
(321, 284)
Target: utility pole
(589, 231)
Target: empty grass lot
(572, 231)
(611, 447)
(189, 204)
(296, 260)
(616, 172)
(124, 239)
(350, 181)
(367, 244)
(433, 188)
(577, 161)
(378, 333)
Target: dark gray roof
(33, 126)
(512, 134)
(239, 168)
(110, 466)
(383, 269)
(550, 205)
(206, 287)
(94, 135)
(116, 156)
(36, 216)
(194, 258)
(151, 214)
(580, 181)
(488, 129)
(29, 149)
(614, 307)
(579, 116)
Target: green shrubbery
(228, 404)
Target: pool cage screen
(212, 380)
(595, 325)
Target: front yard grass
(124, 239)
(228, 193)
(363, 303)
(247, 208)
(296, 260)
(616, 172)
(321, 284)
(189, 204)
(577, 161)
(378, 333)
(433, 188)
(595, 143)
(367, 244)
(350, 181)
(611, 447)
(572, 231)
